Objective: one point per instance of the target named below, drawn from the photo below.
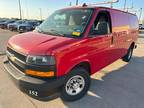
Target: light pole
(40, 13)
(140, 14)
(20, 11)
(27, 13)
(111, 5)
(70, 4)
(125, 5)
(77, 2)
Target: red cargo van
(68, 47)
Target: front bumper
(35, 87)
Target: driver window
(101, 25)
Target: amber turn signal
(39, 73)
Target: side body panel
(120, 31)
(125, 30)
(97, 51)
(102, 50)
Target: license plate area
(33, 93)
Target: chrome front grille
(16, 54)
(17, 59)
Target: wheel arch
(84, 64)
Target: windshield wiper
(57, 33)
(53, 32)
(41, 31)
(38, 29)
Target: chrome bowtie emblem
(12, 57)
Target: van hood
(33, 43)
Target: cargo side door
(120, 32)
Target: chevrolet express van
(69, 46)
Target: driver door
(101, 41)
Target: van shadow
(121, 88)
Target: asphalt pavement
(4, 36)
(119, 85)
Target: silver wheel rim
(75, 85)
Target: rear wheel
(76, 85)
(128, 56)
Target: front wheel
(76, 85)
(128, 56)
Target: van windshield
(67, 23)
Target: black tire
(128, 56)
(76, 72)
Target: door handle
(112, 40)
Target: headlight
(41, 60)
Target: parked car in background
(13, 26)
(4, 24)
(27, 26)
(2, 21)
(141, 26)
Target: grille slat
(16, 54)
(20, 60)
(17, 66)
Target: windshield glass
(68, 23)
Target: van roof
(97, 7)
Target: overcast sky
(31, 8)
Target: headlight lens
(41, 60)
